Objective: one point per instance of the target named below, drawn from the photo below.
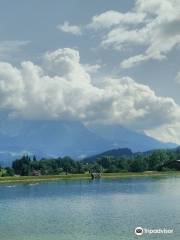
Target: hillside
(113, 152)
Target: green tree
(9, 172)
(138, 165)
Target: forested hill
(157, 160)
(113, 152)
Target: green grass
(143, 174)
(42, 178)
(45, 178)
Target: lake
(88, 210)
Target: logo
(139, 231)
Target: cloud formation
(113, 18)
(166, 133)
(152, 27)
(67, 28)
(92, 68)
(62, 88)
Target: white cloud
(62, 88)
(133, 61)
(166, 133)
(11, 87)
(156, 6)
(112, 18)
(67, 28)
(153, 26)
(92, 68)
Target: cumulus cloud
(62, 88)
(67, 28)
(153, 26)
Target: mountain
(113, 152)
(48, 138)
(121, 137)
(60, 138)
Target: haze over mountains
(60, 138)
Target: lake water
(90, 210)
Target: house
(174, 165)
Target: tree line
(151, 161)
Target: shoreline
(49, 178)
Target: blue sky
(123, 54)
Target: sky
(107, 62)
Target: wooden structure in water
(95, 175)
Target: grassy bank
(45, 178)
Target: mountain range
(59, 138)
